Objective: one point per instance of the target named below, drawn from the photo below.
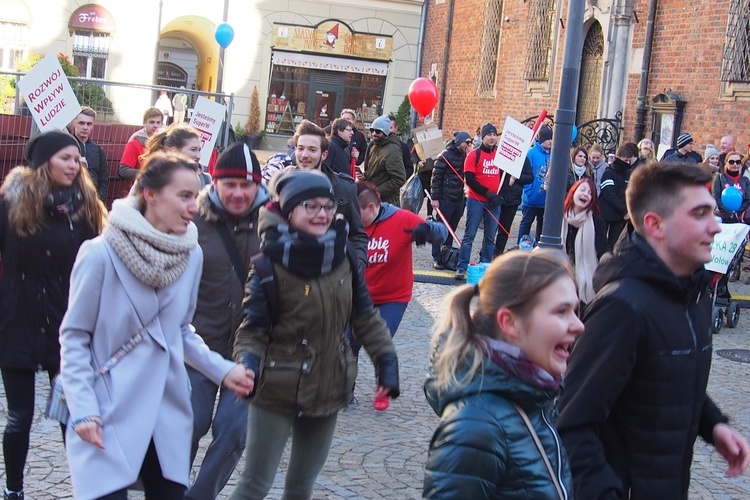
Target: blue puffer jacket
(482, 448)
(534, 194)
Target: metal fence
(119, 107)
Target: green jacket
(482, 448)
(305, 362)
(384, 167)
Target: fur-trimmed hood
(211, 210)
(13, 183)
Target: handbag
(57, 406)
(542, 452)
(449, 257)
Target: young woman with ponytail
(496, 373)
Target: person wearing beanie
(447, 188)
(227, 223)
(310, 149)
(612, 204)
(47, 211)
(713, 158)
(534, 193)
(483, 203)
(384, 163)
(683, 152)
(302, 295)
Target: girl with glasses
(295, 341)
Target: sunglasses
(734, 162)
(376, 132)
(469, 142)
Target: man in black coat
(447, 188)
(612, 204)
(339, 148)
(635, 392)
(92, 155)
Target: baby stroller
(724, 308)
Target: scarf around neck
(156, 258)
(584, 251)
(512, 359)
(304, 255)
(64, 202)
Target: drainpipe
(448, 29)
(640, 114)
(420, 50)
(156, 49)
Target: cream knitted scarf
(156, 258)
(584, 251)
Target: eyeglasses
(734, 162)
(348, 129)
(313, 208)
(376, 132)
(469, 142)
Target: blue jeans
(528, 214)
(391, 312)
(229, 426)
(452, 211)
(475, 210)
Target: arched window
(493, 18)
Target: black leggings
(19, 394)
(154, 484)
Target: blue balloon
(224, 34)
(731, 197)
(575, 134)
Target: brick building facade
(504, 57)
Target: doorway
(590, 84)
(326, 96)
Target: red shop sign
(92, 17)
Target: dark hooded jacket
(448, 174)
(635, 391)
(612, 194)
(384, 167)
(482, 448)
(34, 282)
(218, 312)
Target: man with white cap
(227, 223)
(384, 164)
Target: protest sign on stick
(207, 119)
(49, 95)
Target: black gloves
(386, 370)
(494, 200)
(419, 234)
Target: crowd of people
(244, 296)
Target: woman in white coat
(141, 275)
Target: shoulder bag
(57, 406)
(542, 452)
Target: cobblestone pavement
(382, 454)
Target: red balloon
(423, 95)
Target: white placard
(49, 95)
(725, 246)
(207, 118)
(512, 147)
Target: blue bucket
(475, 272)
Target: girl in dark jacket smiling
(46, 211)
(496, 374)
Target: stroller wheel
(733, 314)
(717, 319)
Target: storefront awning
(329, 63)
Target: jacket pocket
(282, 378)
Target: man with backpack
(483, 179)
(227, 222)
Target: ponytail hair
(514, 281)
(175, 136)
(157, 172)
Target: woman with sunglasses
(295, 340)
(731, 176)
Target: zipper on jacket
(558, 447)
(302, 368)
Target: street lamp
(564, 120)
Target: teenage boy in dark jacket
(635, 390)
(612, 196)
